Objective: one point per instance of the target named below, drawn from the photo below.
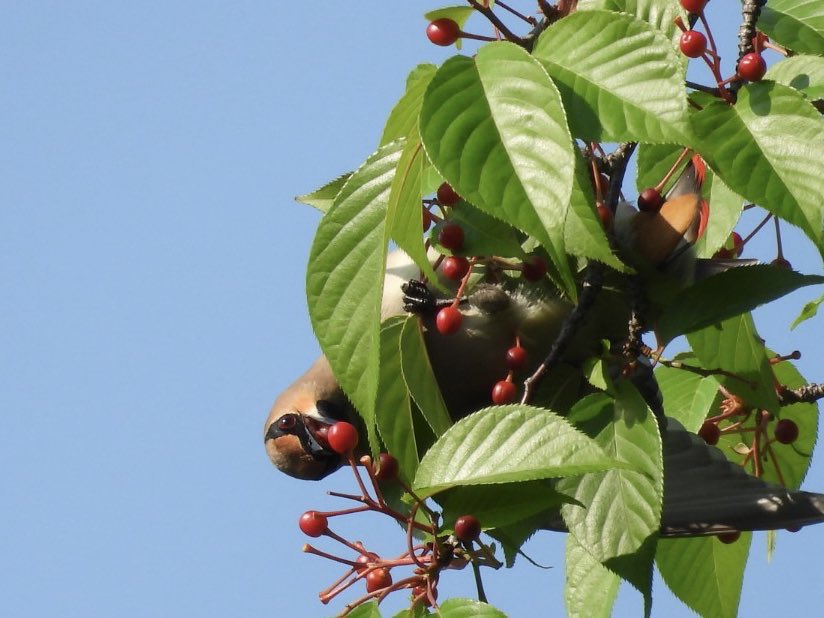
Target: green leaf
(802, 73)
(367, 610)
(654, 162)
(660, 14)
(323, 198)
(793, 459)
(500, 505)
(495, 129)
(584, 234)
(404, 217)
(727, 294)
(622, 506)
(705, 573)
(403, 119)
(420, 378)
(467, 608)
(809, 311)
(591, 588)
(768, 148)
(619, 77)
(483, 234)
(688, 397)
(506, 444)
(725, 210)
(797, 24)
(735, 347)
(393, 411)
(344, 280)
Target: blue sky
(152, 263)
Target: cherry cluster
(426, 558)
(449, 319)
(739, 419)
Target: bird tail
(705, 493)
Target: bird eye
(287, 422)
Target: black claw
(417, 298)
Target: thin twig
(508, 34)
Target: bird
(704, 493)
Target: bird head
(295, 432)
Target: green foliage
(510, 128)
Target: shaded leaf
(809, 311)
(797, 24)
(688, 397)
(802, 73)
(483, 234)
(495, 130)
(393, 411)
(420, 378)
(619, 77)
(705, 573)
(727, 294)
(508, 444)
(499, 505)
(734, 345)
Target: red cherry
(733, 248)
(388, 468)
(786, 431)
(752, 67)
(342, 437)
(534, 268)
(650, 200)
(729, 537)
(693, 44)
(419, 592)
(448, 321)
(467, 528)
(693, 6)
(455, 267)
(377, 579)
(516, 358)
(710, 433)
(782, 263)
(313, 523)
(503, 392)
(447, 196)
(605, 214)
(451, 237)
(443, 32)
(363, 560)
(793, 528)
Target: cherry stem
(476, 37)
(528, 19)
(479, 584)
(354, 509)
(487, 12)
(409, 529)
(358, 478)
(758, 227)
(308, 549)
(775, 463)
(778, 238)
(674, 167)
(366, 462)
(343, 541)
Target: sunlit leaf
(324, 197)
(344, 279)
(802, 73)
(591, 588)
(809, 311)
(508, 444)
(620, 78)
(494, 127)
(768, 148)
